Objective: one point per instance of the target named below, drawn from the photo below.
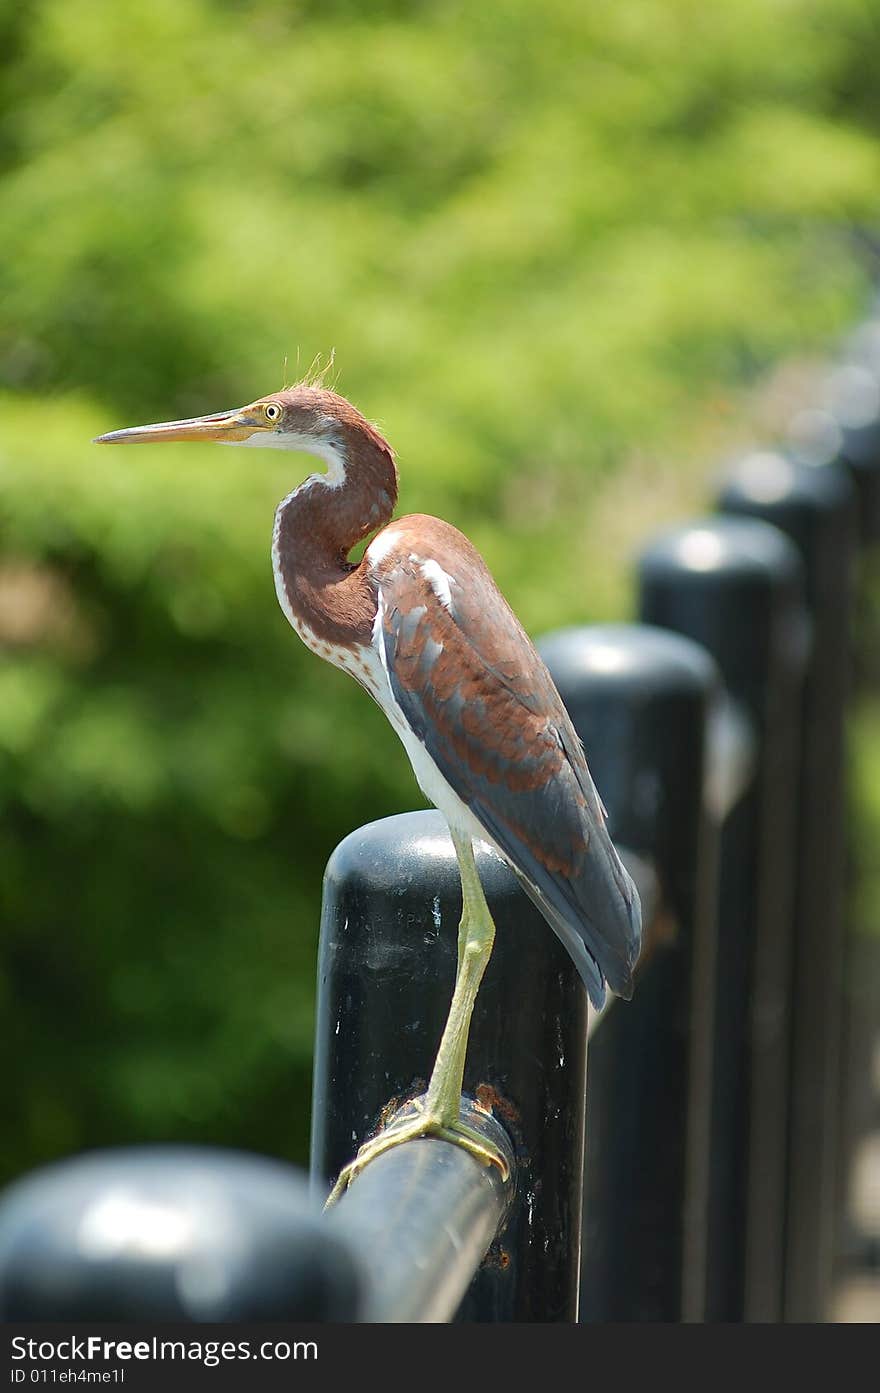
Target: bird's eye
(272, 411)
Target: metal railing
(692, 1177)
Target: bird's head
(296, 418)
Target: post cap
(170, 1233)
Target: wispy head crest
(321, 372)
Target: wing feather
(478, 695)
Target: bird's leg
(476, 935)
(438, 1112)
(464, 922)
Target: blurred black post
(174, 1233)
(640, 700)
(846, 428)
(735, 586)
(389, 927)
(814, 505)
(852, 400)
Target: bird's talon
(415, 1128)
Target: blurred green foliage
(551, 244)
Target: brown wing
(480, 698)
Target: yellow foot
(410, 1124)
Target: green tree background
(554, 247)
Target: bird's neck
(326, 598)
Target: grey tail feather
(618, 945)
(586, 964)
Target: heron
(420, 623)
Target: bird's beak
(229, 426)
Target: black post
(856, 405)
(171, 1233)
(392, 902)
(640, 699)
(735, 586)
(845, 429)
(815, 506)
